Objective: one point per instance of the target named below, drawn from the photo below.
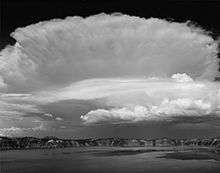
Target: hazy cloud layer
(152, 99)
(19, 131)
(132, 68)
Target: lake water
(104, 159)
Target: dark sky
(20, 13)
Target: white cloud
(57, 53)
(48, 115)
(151, 87)
(158, 97)
(165, 110)
(151, 99)
(10, 131)
(181, 77)
(135, 68)
(58, 118)
(15, 108)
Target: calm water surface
(109, 159)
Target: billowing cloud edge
(58, 60)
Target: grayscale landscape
(109, 86)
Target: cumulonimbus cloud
(59, 52)
(133, 68)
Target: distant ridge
(49, 142)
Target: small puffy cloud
(181, 77)
(59, 119)
(48, 115)
(20, 131)
(56, 53)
